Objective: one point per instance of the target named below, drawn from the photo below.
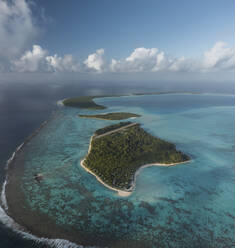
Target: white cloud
(95, 61)
(141, 59)
(16, 28)
(38, 60)
(219, 57)
(161, 62)
(31, 61)
(62, 64)
(149, 60)
(142, 54)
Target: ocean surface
(23, 107)
(188, 205)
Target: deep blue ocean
(189, 205)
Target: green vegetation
(115, 157)
(82, 102)
(86, 102)
(111, 116)
(112, 127)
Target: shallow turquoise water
(189, 205)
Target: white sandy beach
(60, 102)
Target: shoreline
(150, 165)
(60, 102)
(103, 119)
(10, 223)
(120, 192)
(17, 227)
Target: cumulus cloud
(16, 28)
(95, 62)
(62, 64)
(148, 60)
(38, 60)
(220, 56)
(31, 61)
(142, 54)
(141, 59)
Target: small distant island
(112, 116)
(118, 151)
(85, 102)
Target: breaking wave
(10, 223)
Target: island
(86, 102)
(117, 152)
(112, 116)
(82, 102)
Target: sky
(131, 39)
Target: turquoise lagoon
(188, 205)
